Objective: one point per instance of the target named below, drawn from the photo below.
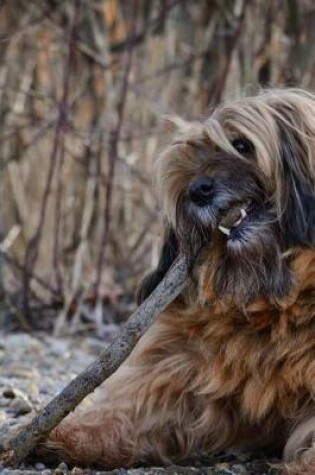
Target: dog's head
(238, 193)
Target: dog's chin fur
(240, 268)
(231, 361)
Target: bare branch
(233, 43)
(33, 245)
(113, 153)
(60, 139)
(105, 365)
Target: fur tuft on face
(238, 191)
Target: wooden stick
(20, 445)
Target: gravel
(34, 368)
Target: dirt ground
(34, 368)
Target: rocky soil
(33, 369)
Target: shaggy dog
(232, 361)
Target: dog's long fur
(232, 361)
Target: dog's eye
(243, 146)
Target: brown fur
(232, 361)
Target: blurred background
(83, 87)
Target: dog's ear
(298, 192)
(169, 253)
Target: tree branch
(18, 447)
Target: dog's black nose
(201, 191)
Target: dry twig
(110, 359)
(32, 249)
(113, 153)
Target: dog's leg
(299, 451)
(147, 411)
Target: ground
(34, 368)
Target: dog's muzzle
(201, 191)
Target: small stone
(62, 469)
(8, 393)
(21, 406)
(239, 469)
(40, 466)
(59, 348)
(77, 471)
(3, 416)
(12, 393)
(222, 466)
(4, 402)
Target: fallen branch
(18, 447)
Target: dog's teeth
(237, 222)
(224, 230)
(243, 213)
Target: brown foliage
(83, 86)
